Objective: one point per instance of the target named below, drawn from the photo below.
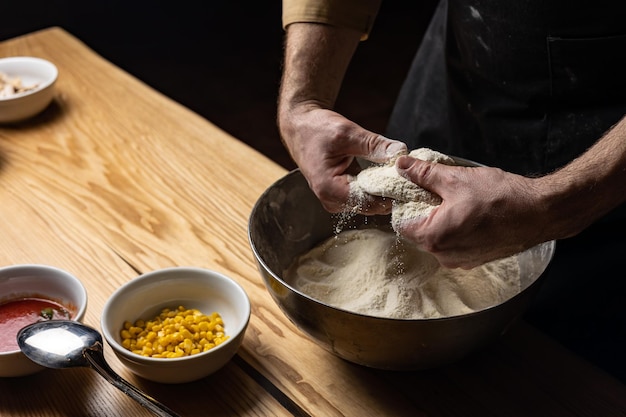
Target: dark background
(223, 59)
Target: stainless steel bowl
(288, 220)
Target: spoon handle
(96, 360)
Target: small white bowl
(40, 281)
(30, 71)
(145, 296)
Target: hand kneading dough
(410, 200)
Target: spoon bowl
(60, 344)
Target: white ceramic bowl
(145, 296)
(40, 281)
(30, 71)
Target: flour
(410, 200)
(377, 273)
(374, 272)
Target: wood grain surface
(115, 179)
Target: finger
(419, 172)
(373, 205)
(355, 203)
(381, 149)
(374, 147)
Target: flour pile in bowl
(375, 272)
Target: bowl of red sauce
(32, 293)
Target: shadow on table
(65, 392)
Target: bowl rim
(549, 245)
(137, 281)
(40, 62)
(80, 312)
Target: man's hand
(325, 145)
(486, 213)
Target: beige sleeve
(353, 14)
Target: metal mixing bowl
(288, 220)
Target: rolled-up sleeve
(353, 14)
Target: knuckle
(424, 171)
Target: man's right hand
(324, 144)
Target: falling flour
(376, 273)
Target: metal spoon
(62, 344)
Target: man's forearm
(588, 187)
(316, 59)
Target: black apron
(527, 86)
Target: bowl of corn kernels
(176, 325)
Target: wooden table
(114, 179)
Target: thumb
(381, 149)
(419, 172)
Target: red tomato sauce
(17, 313)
